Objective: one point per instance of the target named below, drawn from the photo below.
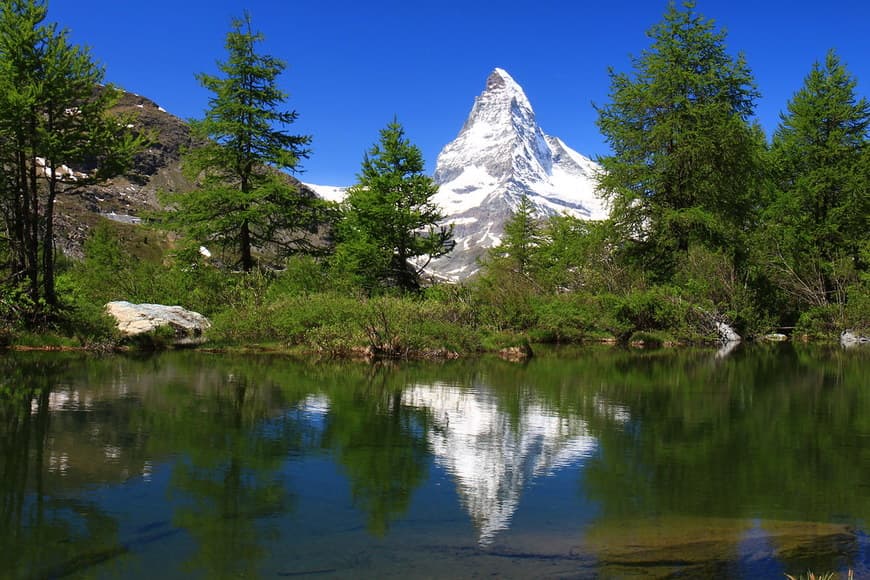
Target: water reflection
(494, 455)
(379, 442)
(596, 463)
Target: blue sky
(353, 65)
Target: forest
(712, 221)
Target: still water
(589, 463)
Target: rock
(775, 337)
(516, 353)
(726, 333)
(848, 338)
(136, 319)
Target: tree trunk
(48, 290)
(31, 245)
(245, 247)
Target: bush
(650, 338)
(400, 326)
(662, 308)
(565, 317)
(819, 322)
(503, 298)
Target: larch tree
(389, 230)
(56, 137)
(244, 200)
(817, 227)
(685, 155)
(522, 235)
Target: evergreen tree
(55, 138)
(818, 223)
(389, 218)
(244, 200)
(522, 234)
(685, 156)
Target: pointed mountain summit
(500, 155)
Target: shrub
(565, 317)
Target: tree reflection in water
(44, 531)
(666, 462)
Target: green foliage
(289, 320)
(578, 255)
(502, 297)
(55, 138)
(399, 327)
(814, 231)
(389, 219)
(660, 308)
(244, 201)
(709, 280)
(567, 317)
(301, 275)
(521, 238)
(685, 159)
(340, 324)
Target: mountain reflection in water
(493, 455)
(583, 463)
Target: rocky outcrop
(726, 333)
(139, 319)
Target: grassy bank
(306, 307)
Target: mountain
(500, 155)
(125, 197)
(157, 168)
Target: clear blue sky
(353, 65)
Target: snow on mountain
(328, 192)
(500, 155)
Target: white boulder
(136, 319)
(726, 333)
(848, 339)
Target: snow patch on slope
(328, 192)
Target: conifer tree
(389, 218)
(819, 159)
(55, 137)
(685, 156)
(521, 237)
(244, 199)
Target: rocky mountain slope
(124, 198)
(500, 155)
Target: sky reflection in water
(592, 462)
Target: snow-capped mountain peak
(500, 155)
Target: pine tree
(389, 219)
(244, 199)
(685, 156)
(818, 223)
(55, 138)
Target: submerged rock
(775, 337)
(137, 319)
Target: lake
(591, 462)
